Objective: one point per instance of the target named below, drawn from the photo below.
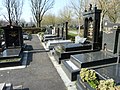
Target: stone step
(70, 69)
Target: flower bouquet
(92, 82)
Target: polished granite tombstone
(92, 34)
(111, 43)
(13, 36)
(13, 43)
(94, 59)
(118, 48)
(13, 52)
(108, 72)
(50, 44)
(47, 37)
(75, 47)
(108, 55)
(62, 52)
(11, 57)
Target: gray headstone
(110, 40)
(118, 49)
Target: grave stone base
(11, 57)
(71, 70)
(93, 59)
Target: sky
(26, 15)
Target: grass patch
(71, 36)
(10, 60)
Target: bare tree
(49, 19)
(79, 7)
(103, 6)
(18, 10)
(14, 10)
(9, 4)
(113, 10)
(66, 14)
(39, 8)
(110, 8)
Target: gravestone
(92, 39)
(118, 48)
(63, 30)
(13, 36)
(92, 27)
(111, 40)
(53, 31)
(12, 56)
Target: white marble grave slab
(52, 43)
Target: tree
(18, 10)
(110, 8)
(49, 19)
(113, 10)
(23, 22)
(103, 6)
(9, 4)
(39, 8)
(14, 10)
(79, 6)
(66, 14)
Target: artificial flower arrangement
(90, 76)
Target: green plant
(59, 49)
(89, 76)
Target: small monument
(13, 42)
(92, 27)
(13, 36)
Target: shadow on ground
(22, 89)
(30, 51)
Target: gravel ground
(40, 74)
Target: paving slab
(40, 74)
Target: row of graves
(57, 37)
(93, 61)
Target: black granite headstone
(110, 40)
(118, 48)
(92, 27)
(13, 36)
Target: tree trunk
(9, 16)
(40, 24)
(79, 27)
